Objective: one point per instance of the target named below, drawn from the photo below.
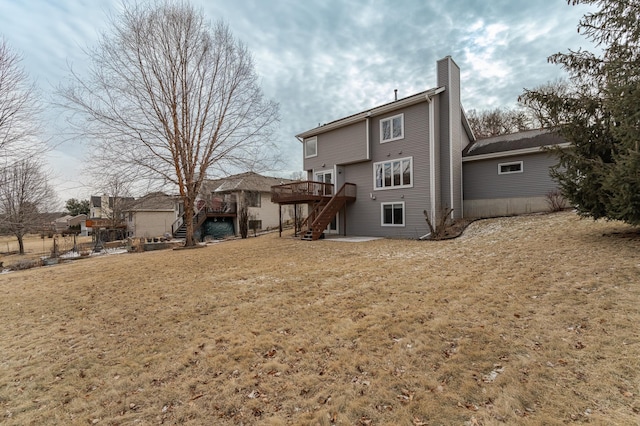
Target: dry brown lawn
(526, 320)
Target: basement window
(392, 214)
(508, 168)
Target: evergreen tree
(76, 207)
(600, 115)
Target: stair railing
(331, 208)
(313, 213)
(177, 224)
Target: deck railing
(302, 190)
(213, 208)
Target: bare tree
(118, 197)
(24, 193)
(495, 122)
(299, 175)
(171, 97)
(540, 103)
(18, 106)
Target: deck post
(344, 220)
(280, 220)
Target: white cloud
(323, 60)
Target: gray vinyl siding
(482, 181)
(437, 102)
(445, 135)
(451, 131)
(341, 146)
(363, 216)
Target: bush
(556, 201)
(23, 264)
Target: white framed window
(311, 147)
(393, 174)
(392, 214)
(392, 128)
(508, 168)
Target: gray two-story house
(380, 171)
(398, 160)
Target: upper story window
(311, 147)
(253, 198)
(393, 174)
(392, 128)
(508, 168)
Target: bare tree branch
(170, 96)
(18, 107)
(24, 193)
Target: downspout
(450, 141)
(368, 136)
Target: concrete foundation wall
(504, 206)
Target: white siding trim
(450, 138)
(368, 137)
(432, 161)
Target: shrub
(556, 201)
(23, 264)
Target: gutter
(514, 152)
(411, 100)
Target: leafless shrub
(23, 264)
(556, 201)
(439, 229)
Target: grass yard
(527, 320)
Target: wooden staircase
(327, 211)
(198, 219)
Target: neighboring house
(107, 213)
(64, 223)
(152, 215)
(224, 199)
(509, 174)
(103, 207)
(379, 172)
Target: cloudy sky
(320, 59)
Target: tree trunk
(20, 244)
(188, 220)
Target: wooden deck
(301, 192)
